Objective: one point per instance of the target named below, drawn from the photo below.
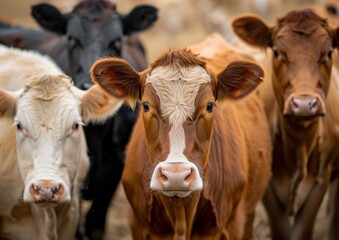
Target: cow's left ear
(118, 78)
(50, 18)
(96, 104)
(238, 79)
(140, 18)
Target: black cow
(74, 41)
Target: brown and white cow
(301, 101)
(199, 157)
(43, 154)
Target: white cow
(43, 156)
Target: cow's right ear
(253, 31)
(118, 78)
(50, 18)
(7, 104)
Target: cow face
(302, 45)
(93, 29)
(178, 100)
(48, 116)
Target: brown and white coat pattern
(190, 164)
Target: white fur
(47, 149)
(177, 89)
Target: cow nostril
(295, 102)
(36, 188)
(55, 189)
(190, 177)
(163, 176)
(313, 103)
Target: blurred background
(181, 23)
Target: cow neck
(299, 140)
(181, 213)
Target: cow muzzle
(176, 179)
(304, 106)
(46, 192)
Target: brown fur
(301, 64)
(230, 147)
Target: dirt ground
(118, 229)
(181, 31)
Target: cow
(198, 159)
(74, 41)
(43, 151)
(301, 103)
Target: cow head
(178, 98)
(93, 29)
(48, 115)
(302, 47)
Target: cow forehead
(50, 103)
(177, 88)
(302, 25)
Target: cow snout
(46, 191)
(304, 106)
(176, 179)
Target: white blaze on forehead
(177, 88)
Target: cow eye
(329, 54)
(75, 126)
(146, 106)
(209, 107)
(275, 53)
(19, 127)
(324, 57)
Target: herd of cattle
(210, 130)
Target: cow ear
(7, 104)
(50, 18)
(96, 104)
(118, 78)
(253, 31)
(238, 79)
(140, 18)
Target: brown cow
(198, 161)
(302, 88)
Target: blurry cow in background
(75, 40)
(301, 102)
(43, 154)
